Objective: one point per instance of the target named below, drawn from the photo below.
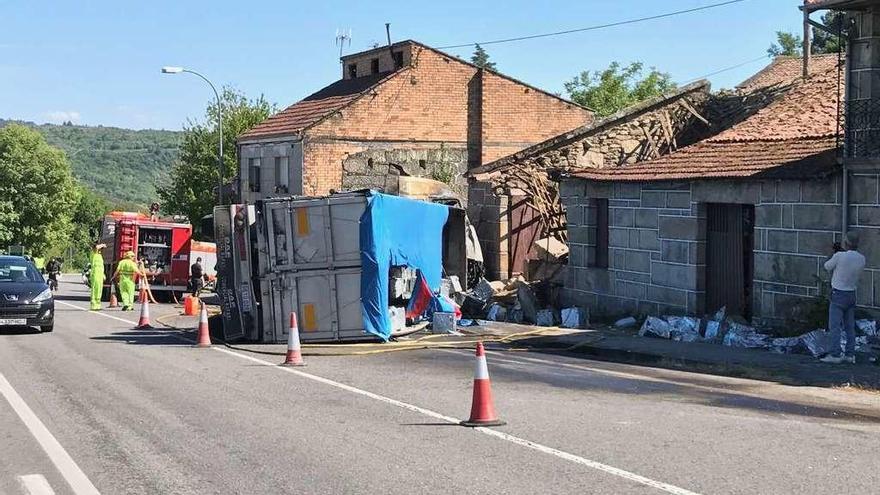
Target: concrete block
(818, 243)
(643, 278)
(726, 192)
(630, 290)
(581, 235)
(622, 217)
(679, 228)
(596, 280)
(870, 240)
(696, 303)
(574, 215)
(697, 253)
(875, 285)
(653, 199)
(590, 215)
(867, 215)
(863, 190)
(647, 218)
(618, 237)
(667, 186)
(613, 307)
(667, 296)
(647, 239)
(627, 190)
(768, 216)
(638, 261)
(782, 241)
(674, 251)
(677, 276)
(788, 191)
(577, 255)
(816, 217)
(655, 256)
(597, 189)
(680, 200)
(785, 269)
(787, 216)
(647, 308)
(768, 192)
(819, 191)
(617, 259)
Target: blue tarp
(397, 231)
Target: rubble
(443, 322)
(528, 302)
(655, 327)
(867, 327)
(550, 249)
(817, 342)
(545, 318)
(398, 318)
(497, 312)
(625, 322)
(573, 318)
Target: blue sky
(97, 62)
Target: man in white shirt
(845, 267)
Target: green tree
(87, 213)
(37, 191)
(788, 44)
(617, 87)
(480, 58)
(823, 41)
(193, 177)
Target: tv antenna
(343, 38)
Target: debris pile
(732, 332)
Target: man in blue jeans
(845, 267)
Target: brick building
(400, 109)
(744, 219)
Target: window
(398, 59)
(282, 174)
(254, 174)
(352, 71)
(374, 66)
(600, 258)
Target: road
(145, 412)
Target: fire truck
(167, 250)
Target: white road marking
(74, 476)
(435, 415)
(35, 484)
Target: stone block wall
(488, 213)
(657, 244)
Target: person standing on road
(195, 277)
(846, 267)
(96, 276)
(125, 272)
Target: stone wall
(657, 244)
(369, 169)
(488, 213)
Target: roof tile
(786, 70)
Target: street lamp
(178, 70)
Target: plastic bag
(867, 327)
(655, 327)
(684, 328)
(817, 342)
(786, 345)
(739, 335)
(713, 328)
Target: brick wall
(657, 234)
(364, 60)
(515, 116)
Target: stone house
(743, 219)
(401, 109)
(513, 202)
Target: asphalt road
(144, 412)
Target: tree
(787, 44)
(194, 176)
(616, 87)
(480, 58)
(37, 191)
(823, 41)
(85, 219)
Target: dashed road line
(35, 484)
(621, 473)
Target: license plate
(12, 321)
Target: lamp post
(178, 70)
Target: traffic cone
(114, 303)
(204, 331)
(142, 296)
(483, 406)
(294, 351)
(144, 321)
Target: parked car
(25, 298)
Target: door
(730, 234)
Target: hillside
(122, 165)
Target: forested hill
(123, 165)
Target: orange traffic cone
(204, 330)
(114, 303)
(142, 296)
(483, 406)
(144, 321)
(294, 351)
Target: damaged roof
(786, 69)
(315, 107)
(499, 165)
(799, 130)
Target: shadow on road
(146, 337)
(72, 297)
(18, 331)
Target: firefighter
(96, 276)
(125, 272)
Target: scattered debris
(545, 318)
(443, 322)
(573, 318)
(497, 312)
(528, 302)
(739, 335)
(817, 342)
(625, 322)
(550, 249)
(653, 327)
(397, 315)
(867, 327)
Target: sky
(98, 62)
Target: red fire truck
(166, 248)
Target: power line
(593, 28)
(720, 71)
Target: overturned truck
(337, 261)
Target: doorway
(730, 233)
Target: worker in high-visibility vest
(96, 276)
(125, 272)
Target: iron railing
(862, 129)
